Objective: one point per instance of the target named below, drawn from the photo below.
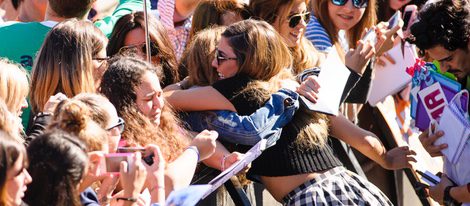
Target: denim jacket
(248, 130)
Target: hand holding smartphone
(409, 15)
(148, 159)
(113, 161)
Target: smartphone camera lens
(149, 159)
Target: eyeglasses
(360, 4)
(101, 58)
(120, 125)
(221, 59)
(294, 20)
(140, 48)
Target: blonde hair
(198, 56)
(369, 19)
(9, 123)
(74, 117)
(304, 55)
(64, 63)
(14, 84)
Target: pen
(427, 177)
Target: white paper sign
(391, 78)
(332, 79)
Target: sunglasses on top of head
(141, 48)
(294, 20)
(360, 4)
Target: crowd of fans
(77, 89)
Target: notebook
(455, 124)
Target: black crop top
(285, 158)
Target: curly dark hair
(119, 85)
(445, 23)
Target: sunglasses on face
(220, 59)
(295, 19)
(360, 4)
(140, 48)
(120, 125)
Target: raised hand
(428, 143)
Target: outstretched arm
(197, 99)
(369, 145)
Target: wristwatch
(449, 200)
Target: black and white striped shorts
(336, 186)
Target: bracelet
(130, 199)
(222, 164)
(194, 148)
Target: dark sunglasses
(141, 47)
(295, 19)
(120, 125)
(221, 59)
(360, 4)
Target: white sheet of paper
(391, 78)
(247, 158)
(332, 79)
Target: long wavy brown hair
(210, 12)
(305, 55)
(198, 56)
(119, 85)
(64, 62)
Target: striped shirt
(317, 35)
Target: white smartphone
(370, 36)
(409, 14)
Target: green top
(20, 42)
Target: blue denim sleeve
(248, 130)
